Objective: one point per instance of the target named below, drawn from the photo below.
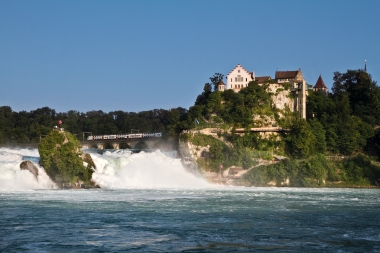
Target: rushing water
(149, 203)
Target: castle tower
(320, 85)
(221, 85)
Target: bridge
(262, 129)
(140, 143)
(137, 143)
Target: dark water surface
(185, 220)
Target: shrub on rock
(62, 158)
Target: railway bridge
(138, 143)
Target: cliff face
(62, 158)
(281, 97)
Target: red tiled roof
(262, 79)
(221, 82)
(320, 84)
(286, 74)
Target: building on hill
(262, 79)
(320, 85)
(288, 76)
(297, 86)
(239, 78)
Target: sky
(141, 55)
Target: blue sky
(141, 55)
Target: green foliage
(246, 159)
(359, 171)
(29, 127)
(60, 155)
(349, 114)
(220, 153)
(215, 79)
(363, 94)
(286, 86)
(300, 142)
(316, 171)
(320, 135)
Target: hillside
(339, 124)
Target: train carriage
(123, 136)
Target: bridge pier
(149, 143)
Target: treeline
(28, 127)
(347, 120)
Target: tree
(6, 123)
(216, 153)
(215, 79)
(202, 99)
(363, 93)
(301, 140)
(320, 136)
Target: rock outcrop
(64, 162)
(28, 165)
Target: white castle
(239, 78)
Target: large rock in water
(63, 160)
(28, 165)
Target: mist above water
(122, 170)
(115, 169)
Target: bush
(61, 157)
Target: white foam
(117, 169)
(122, 170)
(12, 178)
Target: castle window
(238, 70)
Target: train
(123, 136)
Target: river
(149, 203)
